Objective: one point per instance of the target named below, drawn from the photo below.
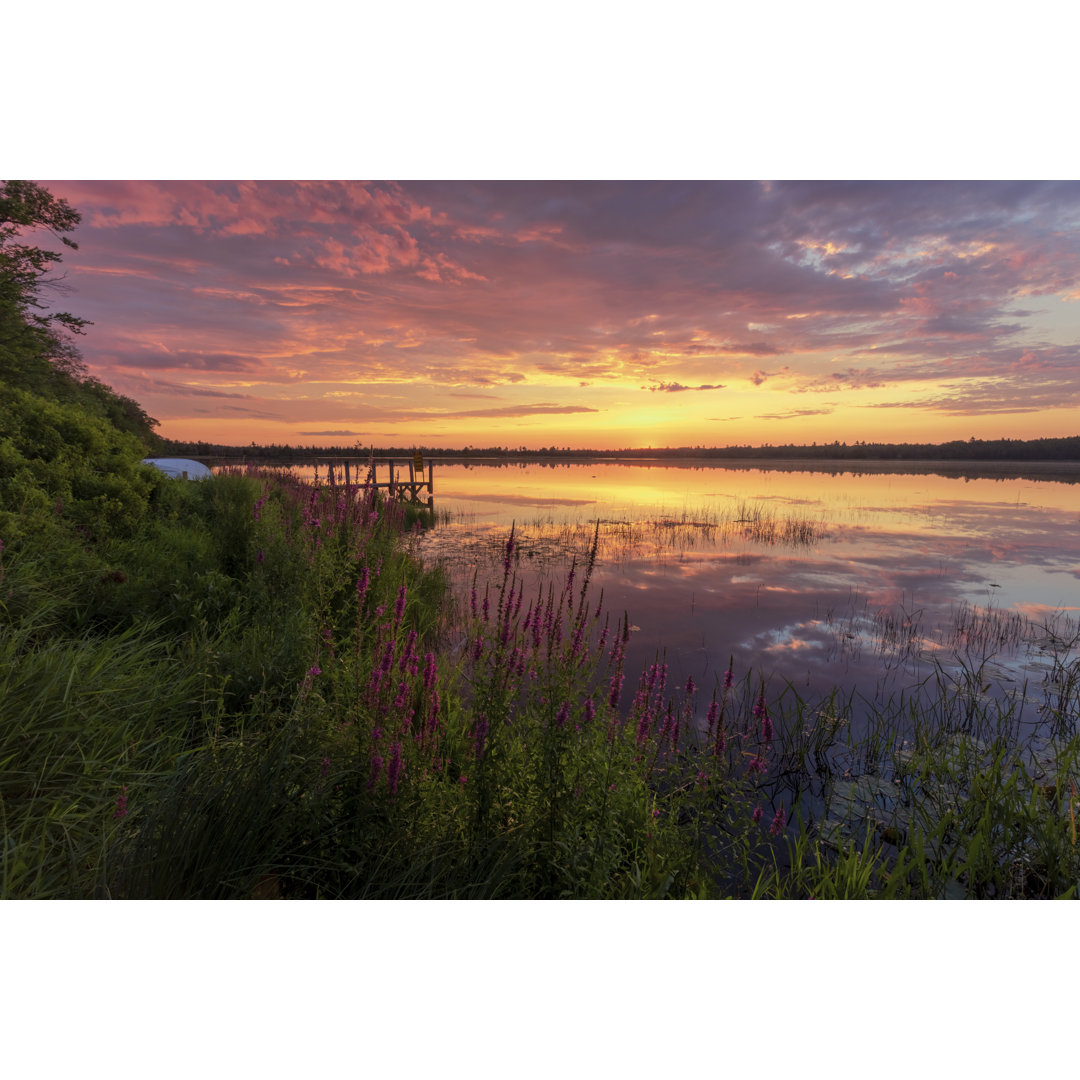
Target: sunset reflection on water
(802, 575)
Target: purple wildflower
(388, 658)
(777, 826)
(121, 803)
(590, 710)
(729, 679)
(563, 715)
(509, 551)
(430, 671)
(314, 670)
(408, 661)
(756, 815)
(399, 607)
(376, 764)
(714, 712)
(393, 769)
(615, 689)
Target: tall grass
(264, 694)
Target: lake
(871, 579)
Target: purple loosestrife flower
(578, 642)
(362, 584)
(563, 715)
(729, 679)
(766, 727)
(478, 648)
(509, 551)
(375, 768)
(690, 687)
(590, 710)
(714, 712)
(430, 671)
(314, 670)
(399, 607)
(388, 658)
(408, 656)
(375, 683)
(402, 695)
(757, 765)
(121, 803)
(756, 815)
(393, 769)
(615, 690)
(777, 826)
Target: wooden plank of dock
(409, 490)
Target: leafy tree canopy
(37, 351)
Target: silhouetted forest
(1062, 449)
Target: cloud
(676, 388)
(334, 434)
(508, 411)
(439, 287)
(793, 414)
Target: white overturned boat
(179, 468)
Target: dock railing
(362, 472)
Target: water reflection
(817, 577)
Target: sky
(583, 313)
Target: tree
(33, 340)
(37, 350)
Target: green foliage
(37, 353)
(56, 461)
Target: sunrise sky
(583, 314)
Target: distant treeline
(1063, 449)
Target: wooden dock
(364, 472)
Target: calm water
(864, 580)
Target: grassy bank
(253, 689)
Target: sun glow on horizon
(586, 314)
